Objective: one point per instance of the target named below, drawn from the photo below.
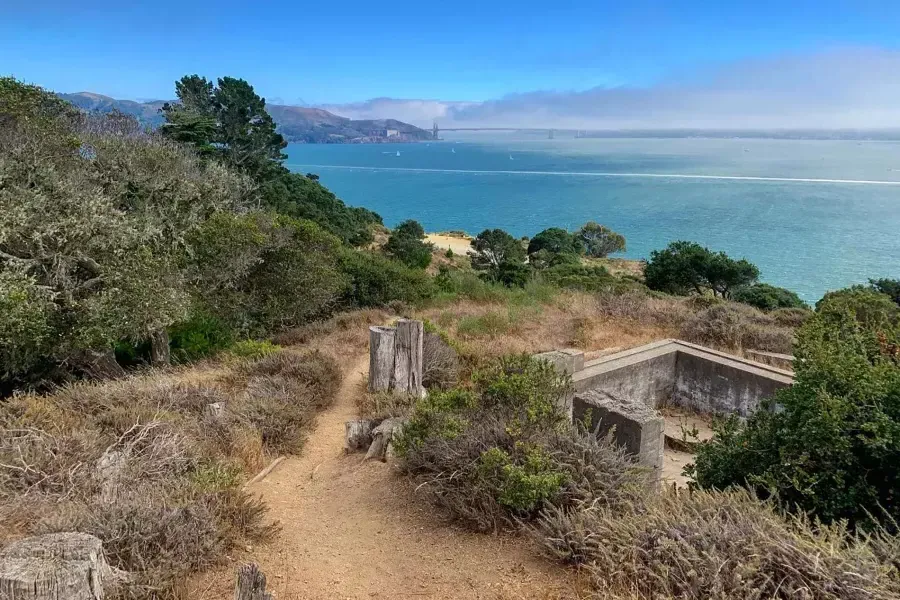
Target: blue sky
(340, 52)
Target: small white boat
(510, 157)
(453, 150)
(398, 153)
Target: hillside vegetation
(123, 248)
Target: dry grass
(343, 336)
(714, 545)
(142, 464)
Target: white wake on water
(606, 174)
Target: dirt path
(356, 530)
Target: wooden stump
(110, 470)
(407, 377)
(358, 435)
(58, 566)
(251, 584)
(382, 438)
(381, 358)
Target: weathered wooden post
(381, 358)
(58, 566)
(395, 358)
(251, 584)
(407, 378)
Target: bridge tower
(434, 131)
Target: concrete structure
(672, 372)
(637, 426)
(624, 390)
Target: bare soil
(355, 530)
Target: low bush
(200, 336)
(509, 449)
(578, 277)
(375, 280)
(726, 546)
(253, 348)
(791, 317)
(767, 297)
(735, 326)
(440, 362)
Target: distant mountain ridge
(295, 123)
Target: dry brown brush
(715, 545)
(145, 465)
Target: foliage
(831, 448)
(26, 327)
(735, 326)
(303, 197)
(199, 336)
(407, 245)
(228, 120)
(891, 287)
(685, 267)
(767, 297)
(375, 280)
(705, 545)
(96, 214)
(259, 272)
(554, 246)
(253, 348)
(600, 241)
(494, 251)
(578, 277)
(510, 449)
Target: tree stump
(407, 377)
(381, 358)
(58, 566)
(358, 435)
(251, 584)
(159, 347)
(382, 438)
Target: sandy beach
(459, 245)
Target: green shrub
(200, 336)
(686, 268)
(523, 484)
(27, 323)
(831, 448)
(767, 297)
(891, 287)
(253, 348)
(578, 277)
(377, 281)
(407, 245)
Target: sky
(745, 64)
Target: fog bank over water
(846, 88)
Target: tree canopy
(599, 241)
(407, 244)
(494, 248)
(228, 120)
(767, 297)
(685, 267)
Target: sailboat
(398, 153)
(453, 150)
(510, 157)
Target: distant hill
(295, 123)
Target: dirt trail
(356, 530)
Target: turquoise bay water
(813, 215)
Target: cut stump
(251, 584)
(58, 566)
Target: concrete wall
(719, 385)
(672, 372)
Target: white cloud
(842, 88)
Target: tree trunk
(251, 584)
(407, 378)
(59, 566)
(99, 364)
(159, 347)
(381, 358)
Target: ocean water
(813, 215)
